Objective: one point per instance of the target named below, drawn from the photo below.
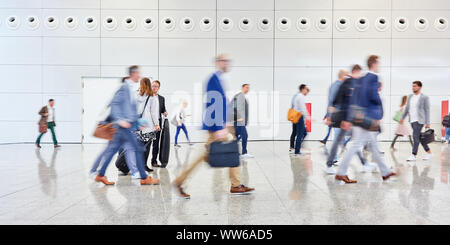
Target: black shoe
(155, 164)
(163, 166)
(323, 142)
(148, 169)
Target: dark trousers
(241, 134)
(396, 137)
(293, 134)
(334, 148)
(51, 126)
(300, 134)
(417, 128)
(155, 150)
(121, 137)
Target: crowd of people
(354, 114)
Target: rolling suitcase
(164, 147)
(121, 163)
(427, 137)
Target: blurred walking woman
(402, 128)
(147, 105)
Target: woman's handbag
(105, 131)
(224, 154)
(43, 127)
(398, 116)
(145, 137)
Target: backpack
(446, 121)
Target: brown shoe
(242, 189)
(57, 146)
(104, 180)
(389, 175)
(38, 146)
(181, 192)
(345, 179)
(149, 181)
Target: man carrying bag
(214, 121)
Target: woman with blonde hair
(402, 128)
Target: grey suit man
(418, 109)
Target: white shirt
(299, 104)
(150, 113)
(51, 114)
(156, 98)
(413, 108)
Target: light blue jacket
(122, 106)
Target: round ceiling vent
(90, 23)
(13, 22)
(206, 24)
(303, 24)
(187, 24)
(70, 23)
(322, 24)
(264, 24)
(110, 23)
(245, 24)
(129, 23)
(51, 22)
(226, 24)
(32, 22)
(342, 24)
(421, 24)
(401, 24)
(284, 24)
(362, 24)
(441, 24)
(148, 24)
(381, 24)
(168, 23)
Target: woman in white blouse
(147, 105)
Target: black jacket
(162, 106)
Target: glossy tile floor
(52, 187)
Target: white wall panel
(188, 4)
(122, 71)
(71, 51)
(186, 52)
(20, 50)
(127, 51)
(362, 4)
(25, 108)
(69, 132)
(288, 79)
(178, 18)
(67, 106)
(21, 78)
(432, 78)
(414, 29)
(129, 4)
(136, 29)
(18, 132)
(255, 18)
(302, 52)
(78, 15)
(305, 4)
(66, 79)
(354, 30)
(420, 5)
(245, 5)
(21, 4)
(183, 80)
(356, 51)
(247, 52)
(420, 52)
(259, 78)
(311, 17)
(76, 4)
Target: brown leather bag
(105, 131)
(43, 128)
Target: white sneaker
(427, 156)
(330, 170)
(369, 167)
(245, 156)
(411, 158)
(136, 176)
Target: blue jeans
(183, 127)
(130, 157)
(301, 134)
(121, 138)
(241, 134)
(447, 133)
(328, 134)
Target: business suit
(155, 150)
(123, 107)
(423, 117)
(51, 125)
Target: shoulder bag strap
(142, 113)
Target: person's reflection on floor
(419, 196)
(47, 174)
(445, 165)
(301, 170)
(100, 197)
